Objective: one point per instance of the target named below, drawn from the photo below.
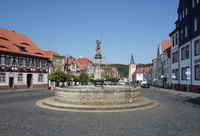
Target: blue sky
(72, 26)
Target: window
(176, 39)
(37, 64)
(2, 77)
(180, 16)
(27, 62)
(16, 61)
(186, 11)
(20, 61)
(185, 52)
(193, 3)
(175, 74)
(197, 72)
(2, 46)
(3, 38)
(20, 77)
(197, 47)
(8, 60)
(21, 48)
(186, 31)
(195, 24)
(183, 73)
(40, 78)
(173, 38)
(2, 59)
(183, 13)
(197, 1)
(175, 57)
(26, 44)
(181, 34)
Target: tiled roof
(82, 63)
(165, 45)
(20, 44)
(142, 70)
(50, 54)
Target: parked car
(144, 84)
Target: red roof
(142, 70)
(165, 45)
(82, 63)
(50, 54)
(20, 44)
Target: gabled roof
(13, 42)
(82, 63)
(50, 54)
(142, 70)
(164, 45)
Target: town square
(99, 68)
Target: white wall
(24, 82)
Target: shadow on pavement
(194, 101)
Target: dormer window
(3, 38)
(26, 44)
(1, 46)
(21, 48)
(38, 53)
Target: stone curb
(144, 104)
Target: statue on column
(98, 49)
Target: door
(29, 80)
(11, 82)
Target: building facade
(85, 65)
(57, 61)
(160, 77)
(22, 63)
(71, 65)
(166, 61)
(187, 75)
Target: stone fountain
(98, 97)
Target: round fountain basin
(89, 95)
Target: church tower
(132, 68)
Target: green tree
(70, 78)
(83, 78)
(57, 76)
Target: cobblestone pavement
(176, 116)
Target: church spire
(132, 60)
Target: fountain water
(97, 98)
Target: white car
(144, 84)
